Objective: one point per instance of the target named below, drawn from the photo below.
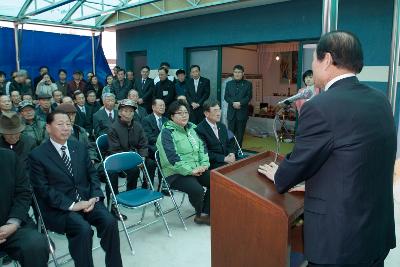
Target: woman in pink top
(309, 82)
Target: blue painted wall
(300, 19)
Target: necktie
(159, 123)
(66, 159)
(143, 82)
(110, 116)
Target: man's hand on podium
(298, 188)
(269, 170)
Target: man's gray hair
(22, 73)
(105, 95)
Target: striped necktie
(66, 159)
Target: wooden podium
(251, 223)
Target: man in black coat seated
(221, 150)
(69, 194)
(19, 238)
(126, 135)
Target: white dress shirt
(196, 84)
(337, 78)
(108, 113)
(58, 148)
(214, 127)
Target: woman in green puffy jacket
(184, 160)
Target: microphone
(306, 94)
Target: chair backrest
(102, 145)
(231, 136)
(122, 161)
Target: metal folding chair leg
(125, 229)
(158, 205)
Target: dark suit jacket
(238, 91)
(15, 193)
(218, 149)
(140, 114)
(203, 91)
(101, 122)
(83, 119)
(150, 127)
(53, 184)
(165, 90)
(345, 150)
(145, 92)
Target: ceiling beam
(24, 8)
(67, 16)
(47, 8)
(113, 10)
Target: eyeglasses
(182, 113)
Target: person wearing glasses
(184, 159)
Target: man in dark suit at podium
(198, 91)
(345, 151)
(215, 136)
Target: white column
(93, 55)
(329, 15)
(16, 41)
(394, 57)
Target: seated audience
(76, 84)
(5, 103)
(124, 135)
(121, 86)
(104, 117)
(56, 99)
(184, 160)
(11, 127)
(166, 66)
(44, 107)
(42, 71)
(19, 237)
(78, 133)
(68, 100)
(45, 86)
(19, 83)
(131, 78)
(15, 100)
(69, 194)
(96, 86)
(180, 83)
(107, 87)
(164, 89)
(62, 82)
(82, 111)
(153, 123)
(215, 136)
(3, 83)
(145, 87)
(34, 127)
(140, 112)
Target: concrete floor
(191, 248)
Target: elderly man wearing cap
(79, 133)
(11, 127)
(76, 84)
(125, 135)
(34, 127)
(44, 107)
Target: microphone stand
(282, 109)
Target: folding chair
(42, 228)
(165, 186)
(102, 148)
(240, 153)
(136, 198)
